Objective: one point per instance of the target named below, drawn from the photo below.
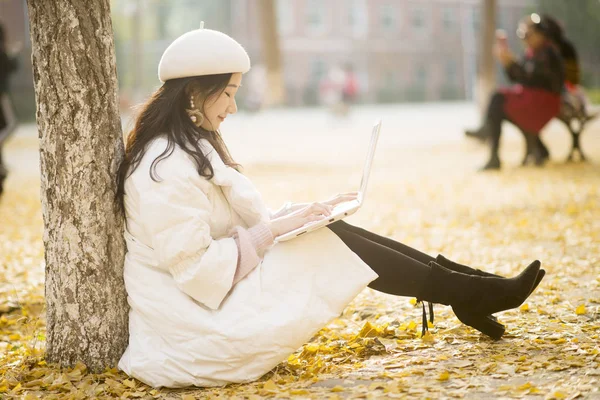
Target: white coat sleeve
(176, 212)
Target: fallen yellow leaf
(270, 385)
(524, 307)
(525, 386)
(312, 347)
(580, 310)
(299, 392)
(428, 337)
(444, 376)
(129, 383)
(337, 388)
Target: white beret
(202, 52)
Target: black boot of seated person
(454, 266)
(474, 298)
(481, 134)
(492, 164)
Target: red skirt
(530, 108)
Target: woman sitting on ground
(214, 299)
(536, 96)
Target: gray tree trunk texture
(81, 146)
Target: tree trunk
(81, 147)
(487, 76)
(271, 52)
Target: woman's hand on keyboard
(341, 198)
(310, 213)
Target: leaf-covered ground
(427, 197)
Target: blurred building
(402, 50)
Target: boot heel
(484, 324)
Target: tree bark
(81, 147)
(487, 76)
(271, 52)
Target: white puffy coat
(188, 325)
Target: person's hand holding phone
(501, 50)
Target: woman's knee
(339, 225)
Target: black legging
(402, 270)
(494, 117)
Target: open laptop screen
(369, 161)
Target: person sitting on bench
(535, 98)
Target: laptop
(345, 209)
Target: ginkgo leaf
(444, 376)
(129, 383)
(428, 337)
(525, 386)
(270, 385)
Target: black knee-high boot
(494, 118)
(466, 318)
(535, 150)
(454, 266)
(473, 298)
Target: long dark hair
(567, 50)
(164, 114)
(556, 33)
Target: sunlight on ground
(430, 199)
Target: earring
(196, 116)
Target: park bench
(575, 120)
